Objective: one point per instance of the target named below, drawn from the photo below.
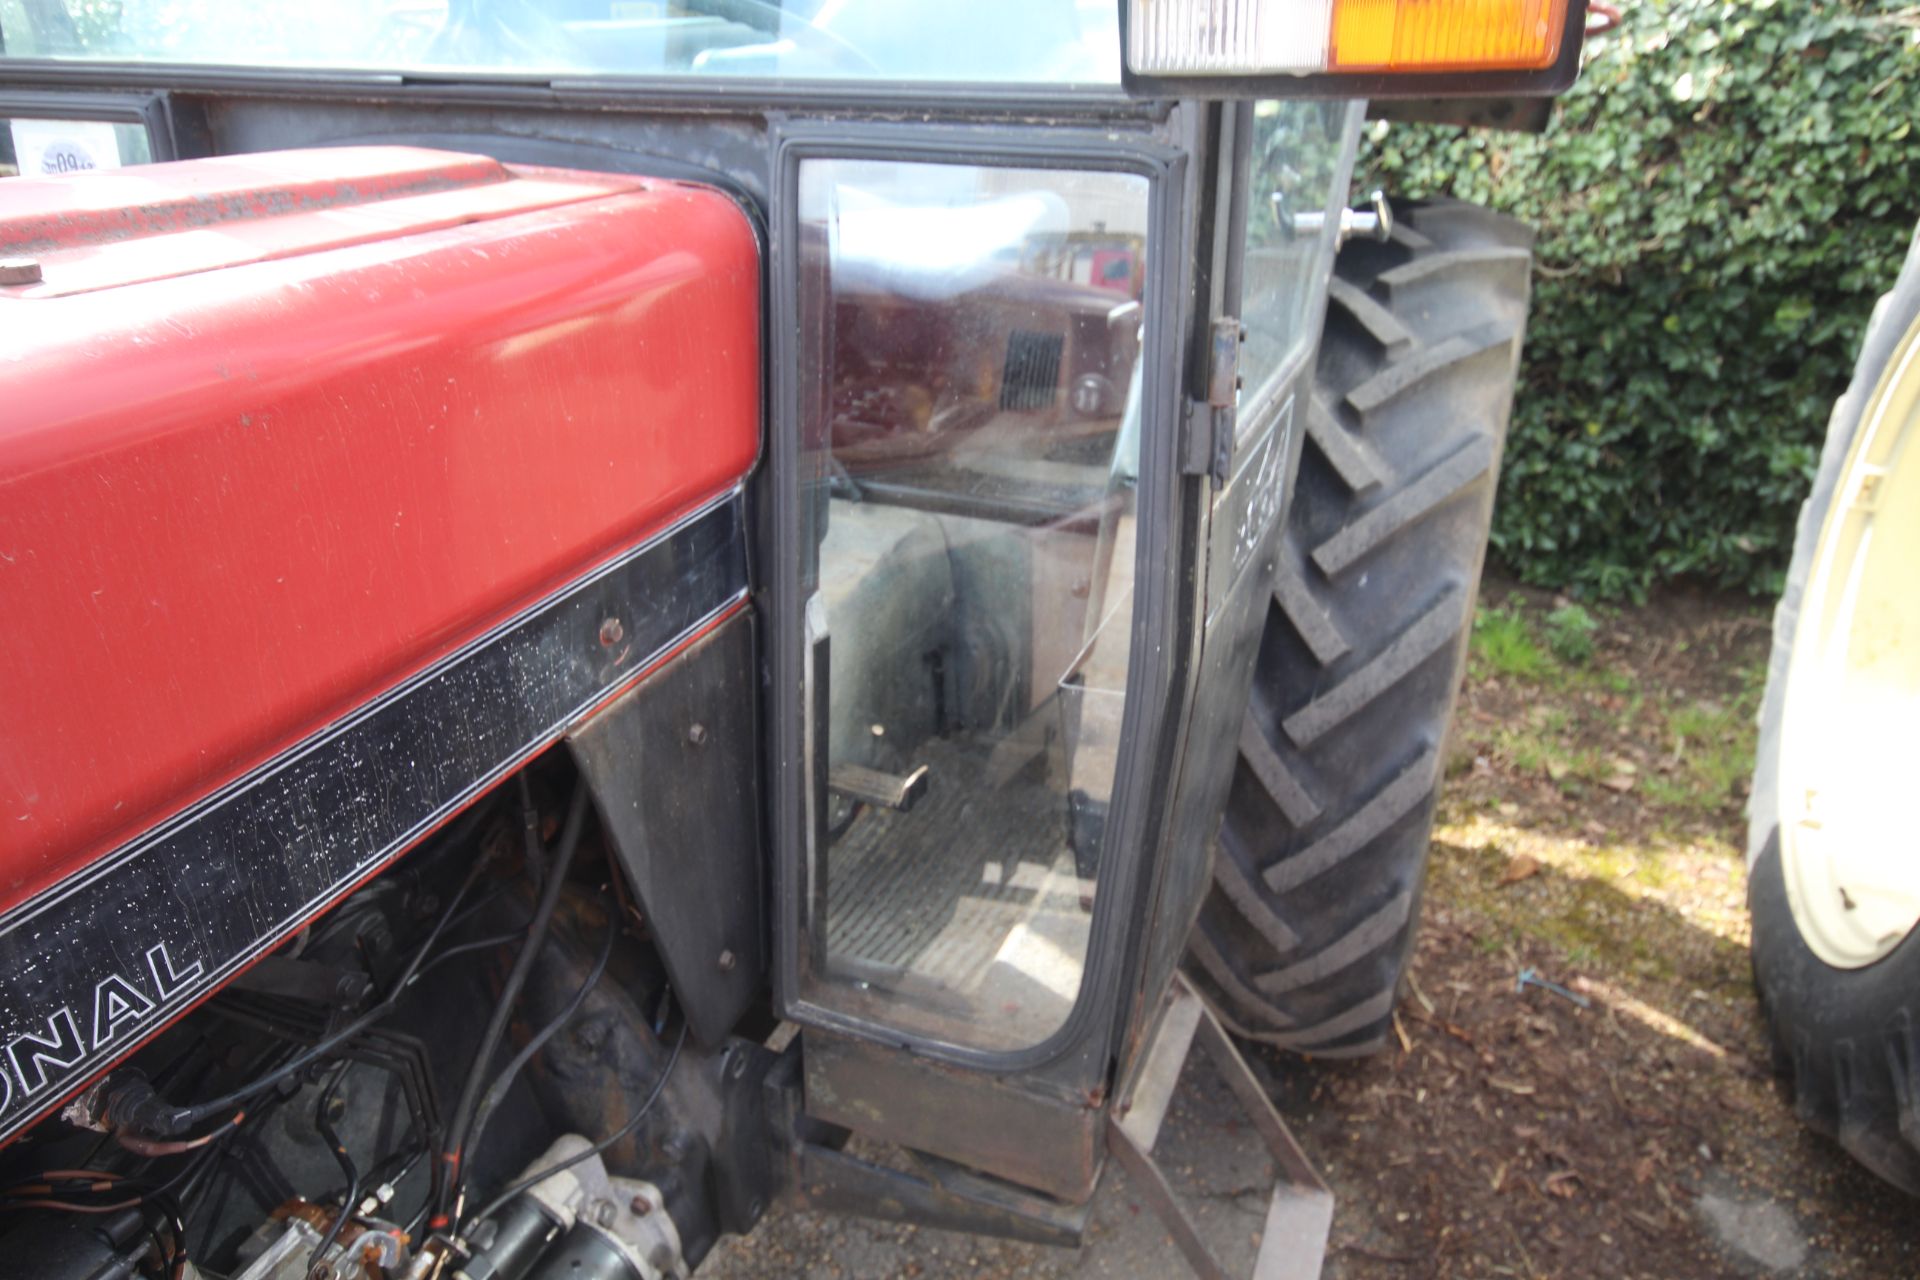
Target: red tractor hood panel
(278, 432)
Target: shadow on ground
(1515, 1133)
(1590, 831)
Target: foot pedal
(1293, 1244)
(880, 790)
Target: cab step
(1293, 1243)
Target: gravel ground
(1214, 1159)
(1590, 831)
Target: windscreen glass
(1030, 41)
(969, 392)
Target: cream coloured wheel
(1849, 849)
(1833, 861)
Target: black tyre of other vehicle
(1846, 1041)
(1307, 932)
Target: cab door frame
(1034, 1117)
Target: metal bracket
(1293, 1244)
(938, 1193)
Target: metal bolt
(19, 271)
(727, 961)
(611, 632)
(738, 1067)
(604, 1213)
(697, 734)
(641, 1206)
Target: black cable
(494, 1205)
(453, 1152)
(153, 1116)
(497, 1092)
(324, 1124)
(185, 1183)
(394, 1168)
(486, 900)
(180, 1259)
(141, 1185)
(159, 1246)
(173, 1261)
(530, 838)
(161, 1079)
(409, 1062)
(191, 1185)
(478, 944)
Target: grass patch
(1546, 747)
(1664, 794)
(1570, 632)
(1701, 750)
(1554, 650)
(1712, 746)
(1503, 646)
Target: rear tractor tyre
(1834, 866)
(1307, 932)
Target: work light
(1314, 37)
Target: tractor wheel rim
(1849, 764)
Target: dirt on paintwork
(1590, 835)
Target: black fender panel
(674, 770)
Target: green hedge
(1720, 200)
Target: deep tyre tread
(1323, 849)
(1846, 1038)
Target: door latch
(1374, 222)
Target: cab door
(1012, 596)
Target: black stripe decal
(89, 966)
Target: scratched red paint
(263, 456)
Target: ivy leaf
(1722, 197)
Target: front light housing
(1309, 37)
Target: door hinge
(1209, 423)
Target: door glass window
(1298, 182)
(969, 401)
